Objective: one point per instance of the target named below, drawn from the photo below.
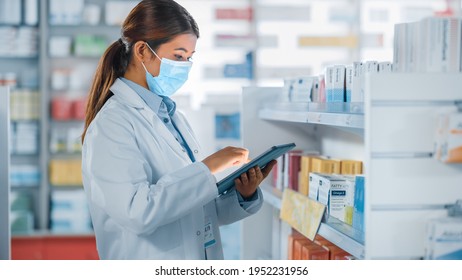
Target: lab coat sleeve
(229, 209)
(116, 175)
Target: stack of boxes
(329, 181)
(65, 172)
(432, 44)
(69, 212)
(21, 215)
(18, 41)
(336, 183)
(338, 85)
(301, 248)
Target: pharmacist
(151, 194)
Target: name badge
(209, 238)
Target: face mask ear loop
(144, 66)
(153, 51)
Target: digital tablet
(261, 161)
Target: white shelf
(272, 196)
(346, 115)
(344, 236)
(50, 233)
(337, 232)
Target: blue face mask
(172, 75)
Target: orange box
(314, 252)
(337, 253)
(298, 245)
(290, 244)
(319, 238)
(321, 241)
(325, 165)
(351, 167)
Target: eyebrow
(183, 49)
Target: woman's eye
(190, 59)
(178, 57)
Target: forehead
(186, 42)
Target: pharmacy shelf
(346, 115)
(337, 232)
(66, 186)
(50, 233)
(67, 122)
(25, 187)
(66, 155)
(89, 26)
(77, 57)
(25, 57)
(25, 155)
(344, 236)
(25, 120)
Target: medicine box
(329, 84)
(315, 179)
(358, 208)
(356, 82)
(338, 94)
(348, 82)
(306, 167)
(333, 192)
(351, 167)
(350, 198)
(325, 165)
(448, 146)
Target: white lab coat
(147, 199)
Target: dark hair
(153, 21)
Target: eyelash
(180, 57)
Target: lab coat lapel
(188, 136)
(159, 128)
(127, 96)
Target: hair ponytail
(111, 66)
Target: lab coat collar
(126, 95)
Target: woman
(150, 195)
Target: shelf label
(302, 213)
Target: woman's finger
(238, 183)
(259, 174)
(252, 175)
(265, 171)
(244, 178)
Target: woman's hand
(247, 184)
(225, 158)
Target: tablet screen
(262, 160)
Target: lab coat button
(165, 120)
(196, 151)
(198, 233)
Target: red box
(61, 108)
(294, 168)
(234, 14)
(79, 107)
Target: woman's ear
(139, 51)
